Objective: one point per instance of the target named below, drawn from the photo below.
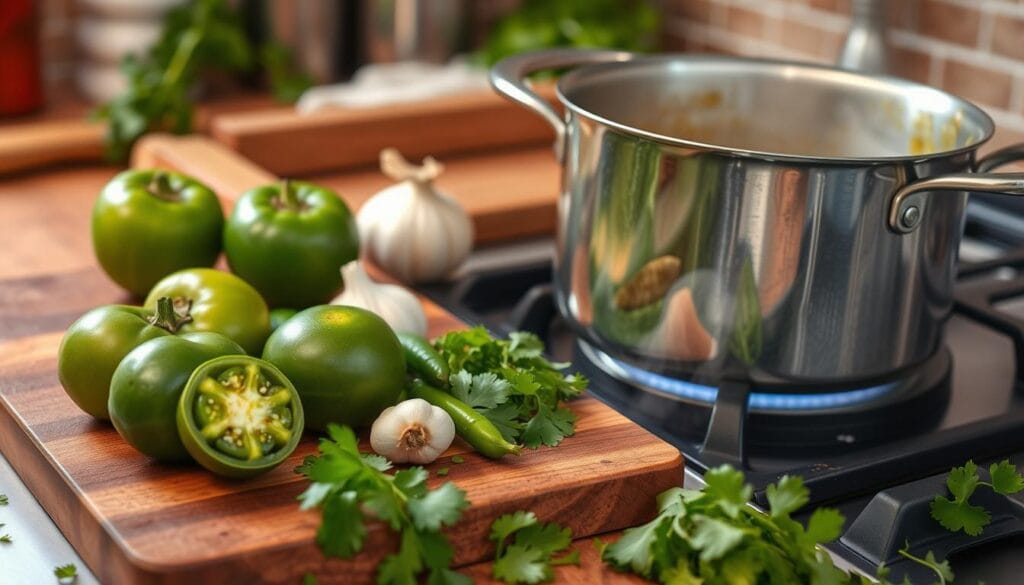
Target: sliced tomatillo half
(239, 416)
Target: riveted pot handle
(906, 209)
(508, 77)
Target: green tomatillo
(345, 362)
(290, 241)
(98, 341)
(147, 224)
(216, 301)
(147, 385)
(239, 416)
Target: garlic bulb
(411, 230)
(399, 307)
(413, 431)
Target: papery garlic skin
(413, 431)
(397, 306)
(411, 230)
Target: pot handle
(905, 210)
(508, 77)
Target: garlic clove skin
(411, 229)
(413, 431)
(402, 311)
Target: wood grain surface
(135, 521)
(508, 193)
(287, 142)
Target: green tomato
(147, 385)
(239, 416)
(148, 224)
(290, 241)
(98, 341)
(217, 301)
(346, 364)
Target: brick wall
(972, 48)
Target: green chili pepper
(422, 359)
(475, 428)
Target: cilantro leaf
(402, 567)
(437, 508)
(825, 525)
(680, 574)
(376, 461)
(1005, 479)
(505, 525)
(458, 459)
(531, 558)
(714, 538)
(958, 515)
(728, 488)
(962, 481)
(412, 481)
(314, 495)
(522, 564)
(441, 472)
(342, 532)
(6, 538)
(480, 391)
(524, 345)
(787, 496)
(549, 538)
(633, 550)
(506, 419)
(3, 500)
(549, 427)
(66, 573)
(448, 577)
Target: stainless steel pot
(726, 217)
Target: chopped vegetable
(66, 574)
(959, 514)
(458, 459)
(3, 500)
(309, 579)
(531, 556)
(713, 537)
(348, 484)
(441, 472)
(413, 431)
(512, 384)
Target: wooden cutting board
(508, 193)
(136, 521)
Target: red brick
(902, 14)
(810, 39)
(1008, 37)
(909, 64)
(746, 22)
(981, 84)
(949, 22)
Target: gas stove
(878, 453)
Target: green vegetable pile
(203, 35)
(958, 513)
(347, 484)
(713, 537)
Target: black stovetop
(881, 462)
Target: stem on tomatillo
(168, 316)
(289, 199)
(160, 187)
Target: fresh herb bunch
(530, 558)
(200, 36)
(512, 384)
(540, 24)
(348, 484)
(713, 537)
(959, 514)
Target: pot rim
(580, 74)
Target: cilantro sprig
(530, 557)
(348, 486)
(958, 513)
(713, 537)
(512, 384)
